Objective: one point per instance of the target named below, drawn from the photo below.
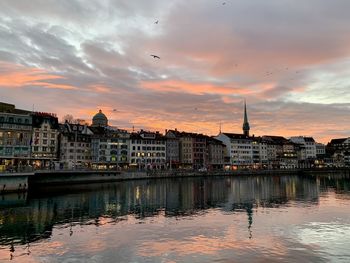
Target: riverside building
(147, 150)
(15, 137)
(44, 139)
(109, 145)
(75, 145)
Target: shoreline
(21, 182)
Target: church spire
(246, 127)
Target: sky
(290, 60)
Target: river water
(221, 219)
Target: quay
(21, 182)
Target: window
(36, 148)
(52, 135)
(44, 141)
(44, 149)
(11, 120)
(45, 135)
(52, 142)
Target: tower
(246, 127)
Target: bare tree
(68, 118)
(81, 122)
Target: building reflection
(34, 218)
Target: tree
(81, 122)
(68, 118)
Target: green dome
(100, 120)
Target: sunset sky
(289, 59)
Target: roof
(338, 141)
(75, 128)
(236, 135)
(144, 135)
(179, 134)
(309, 139)
(10, 108)
(38, 119)
(212, 140)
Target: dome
(99, 120)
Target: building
(198, 151)
(75, 145)
(239, 149)
(320, 150)
(338, 150)
(99, 120)
(186, 150)
(260, 159)
(172, 149)
(109, 147)
(147, 150)
(44, 139)
(281, 153)
(15, 137)
(308, 144)
(216, 153)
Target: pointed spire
(245, 112)
(246, 126)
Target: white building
(44, 139)
(239, 148)
(147, 150)
(75, 145)
(309, 146)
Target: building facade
(109, 147)
(75, 145)
(239, 149)
(44, 139)
(172, 148)
(216, 153)
(15, 137)
(147, 150)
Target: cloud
(18, 77)
(289, 60)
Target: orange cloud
(204, 88)
(99, 88)
(17, 76)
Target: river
(220, 219)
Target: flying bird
(114, 110)
(155, 56)
(224, 3)
(156, 22)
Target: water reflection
(32, 218)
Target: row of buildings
(37, 139)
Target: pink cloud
(16, 76)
